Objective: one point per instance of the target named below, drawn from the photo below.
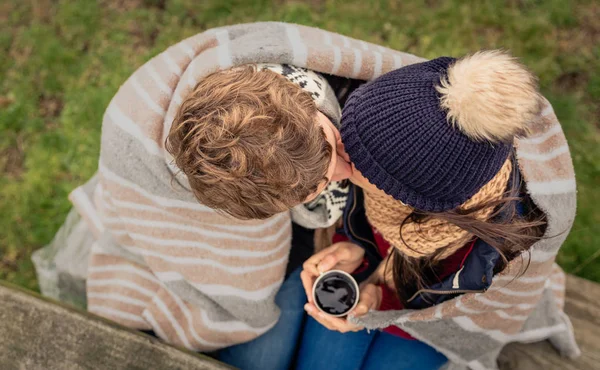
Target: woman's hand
(345, 256)
(370, 299)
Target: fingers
(330, 322)
(310, 267)
(347, 257)
(370, 299)
(313, 312)
(342, 253)
(310, 264)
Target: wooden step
(36, 333)
(583, 307)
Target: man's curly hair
(249, 143)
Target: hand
(370, 299)
(345, 256)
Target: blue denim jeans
(323, 349)
(274, 350)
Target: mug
(335, 293)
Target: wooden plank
(583, 307)
(36, 333)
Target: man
(159, 260)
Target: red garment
(389, 299)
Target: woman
(438, 205)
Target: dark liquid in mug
(335, 294)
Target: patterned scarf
(423, 239)
(327, 207)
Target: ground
(62, 61)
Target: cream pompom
(490, 96)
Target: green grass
(62, 61)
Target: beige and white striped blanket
(161, 261)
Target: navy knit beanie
(398, 136)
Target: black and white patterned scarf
(328, 207)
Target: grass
(62, 61)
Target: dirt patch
(140, 41)
(5, 101)
(571, 81)
(158, 4)
(491, 35)
(42, 10)
(5, 8)
(432, 3)
(50, 106)
(588, 21)
(121, 5)
(11, 161)
(9, 263)
(585, 35)
(20, 53)
(314, 4)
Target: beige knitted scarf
(423, 239)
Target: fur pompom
(490, 96)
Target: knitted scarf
(386, 214)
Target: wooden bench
(36, 333)
(583, 307)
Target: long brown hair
(509, 232)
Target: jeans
(275, 349)
(323, 349)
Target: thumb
(370, 299)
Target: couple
(449, 220)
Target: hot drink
(335, 293)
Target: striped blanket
(160, 261)
(148, 254)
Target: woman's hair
(509, 232)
